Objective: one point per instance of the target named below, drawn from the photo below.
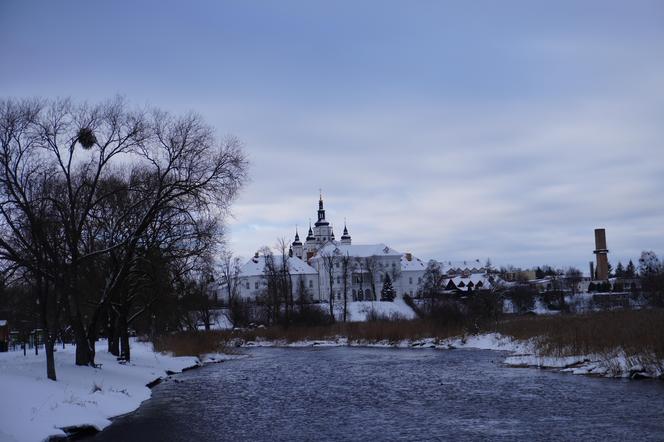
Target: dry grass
(639, 333)
(192, 343)
(373, 331)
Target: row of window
(257, 285)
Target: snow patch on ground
(360, 311)
(36, 407)
(615, 364)
(489, 341)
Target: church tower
(310, 245)
(345, 238)
(298, 248)
(322, 229)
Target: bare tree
(327, 259)
(371, 267)
(229, 271)
(176, 162)
(573, 278)
(432, 282)
(346, 271)
(285, 281)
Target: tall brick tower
(601, 251)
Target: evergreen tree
(610, 270)
(387, 293)
(620, 270)
(630, 272)
(539, 273)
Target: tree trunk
(83, 356)
(113, 337)
(49, 343)
(125, 353)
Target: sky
(453, 130)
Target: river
(318, 394)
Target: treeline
(108, 216)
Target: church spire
(345, 238)
(310, 235)
(321, 212)
(297, 238)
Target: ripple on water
(384, 394)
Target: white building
(253, 281)
(327, 266)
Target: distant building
(367, 268)
(601, 252)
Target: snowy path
(35, 408)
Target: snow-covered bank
(489, 341)
(614, 364)
(35, 408)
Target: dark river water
(384, 394)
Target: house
(253, 276)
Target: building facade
(327, 267)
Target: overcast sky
(454, 130)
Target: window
(247, 285)
(256, 285)
(311, 283)
(410, 280)
(419, 280)
(336, 264)
(338, 280)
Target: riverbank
(624, 343)
(614, 364)
(36, 408)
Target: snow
(360, 310)
(256, 266)
(357, 250)
(612, 364)
(415, 264)
(37, 407)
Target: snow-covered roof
(473, 266)
(415, 264)
(356, 250)
(475, 278)
(256, 266)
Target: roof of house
(256, 266)
(474, 278)
(415, 264)
(356, 250)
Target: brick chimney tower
(601, 251)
